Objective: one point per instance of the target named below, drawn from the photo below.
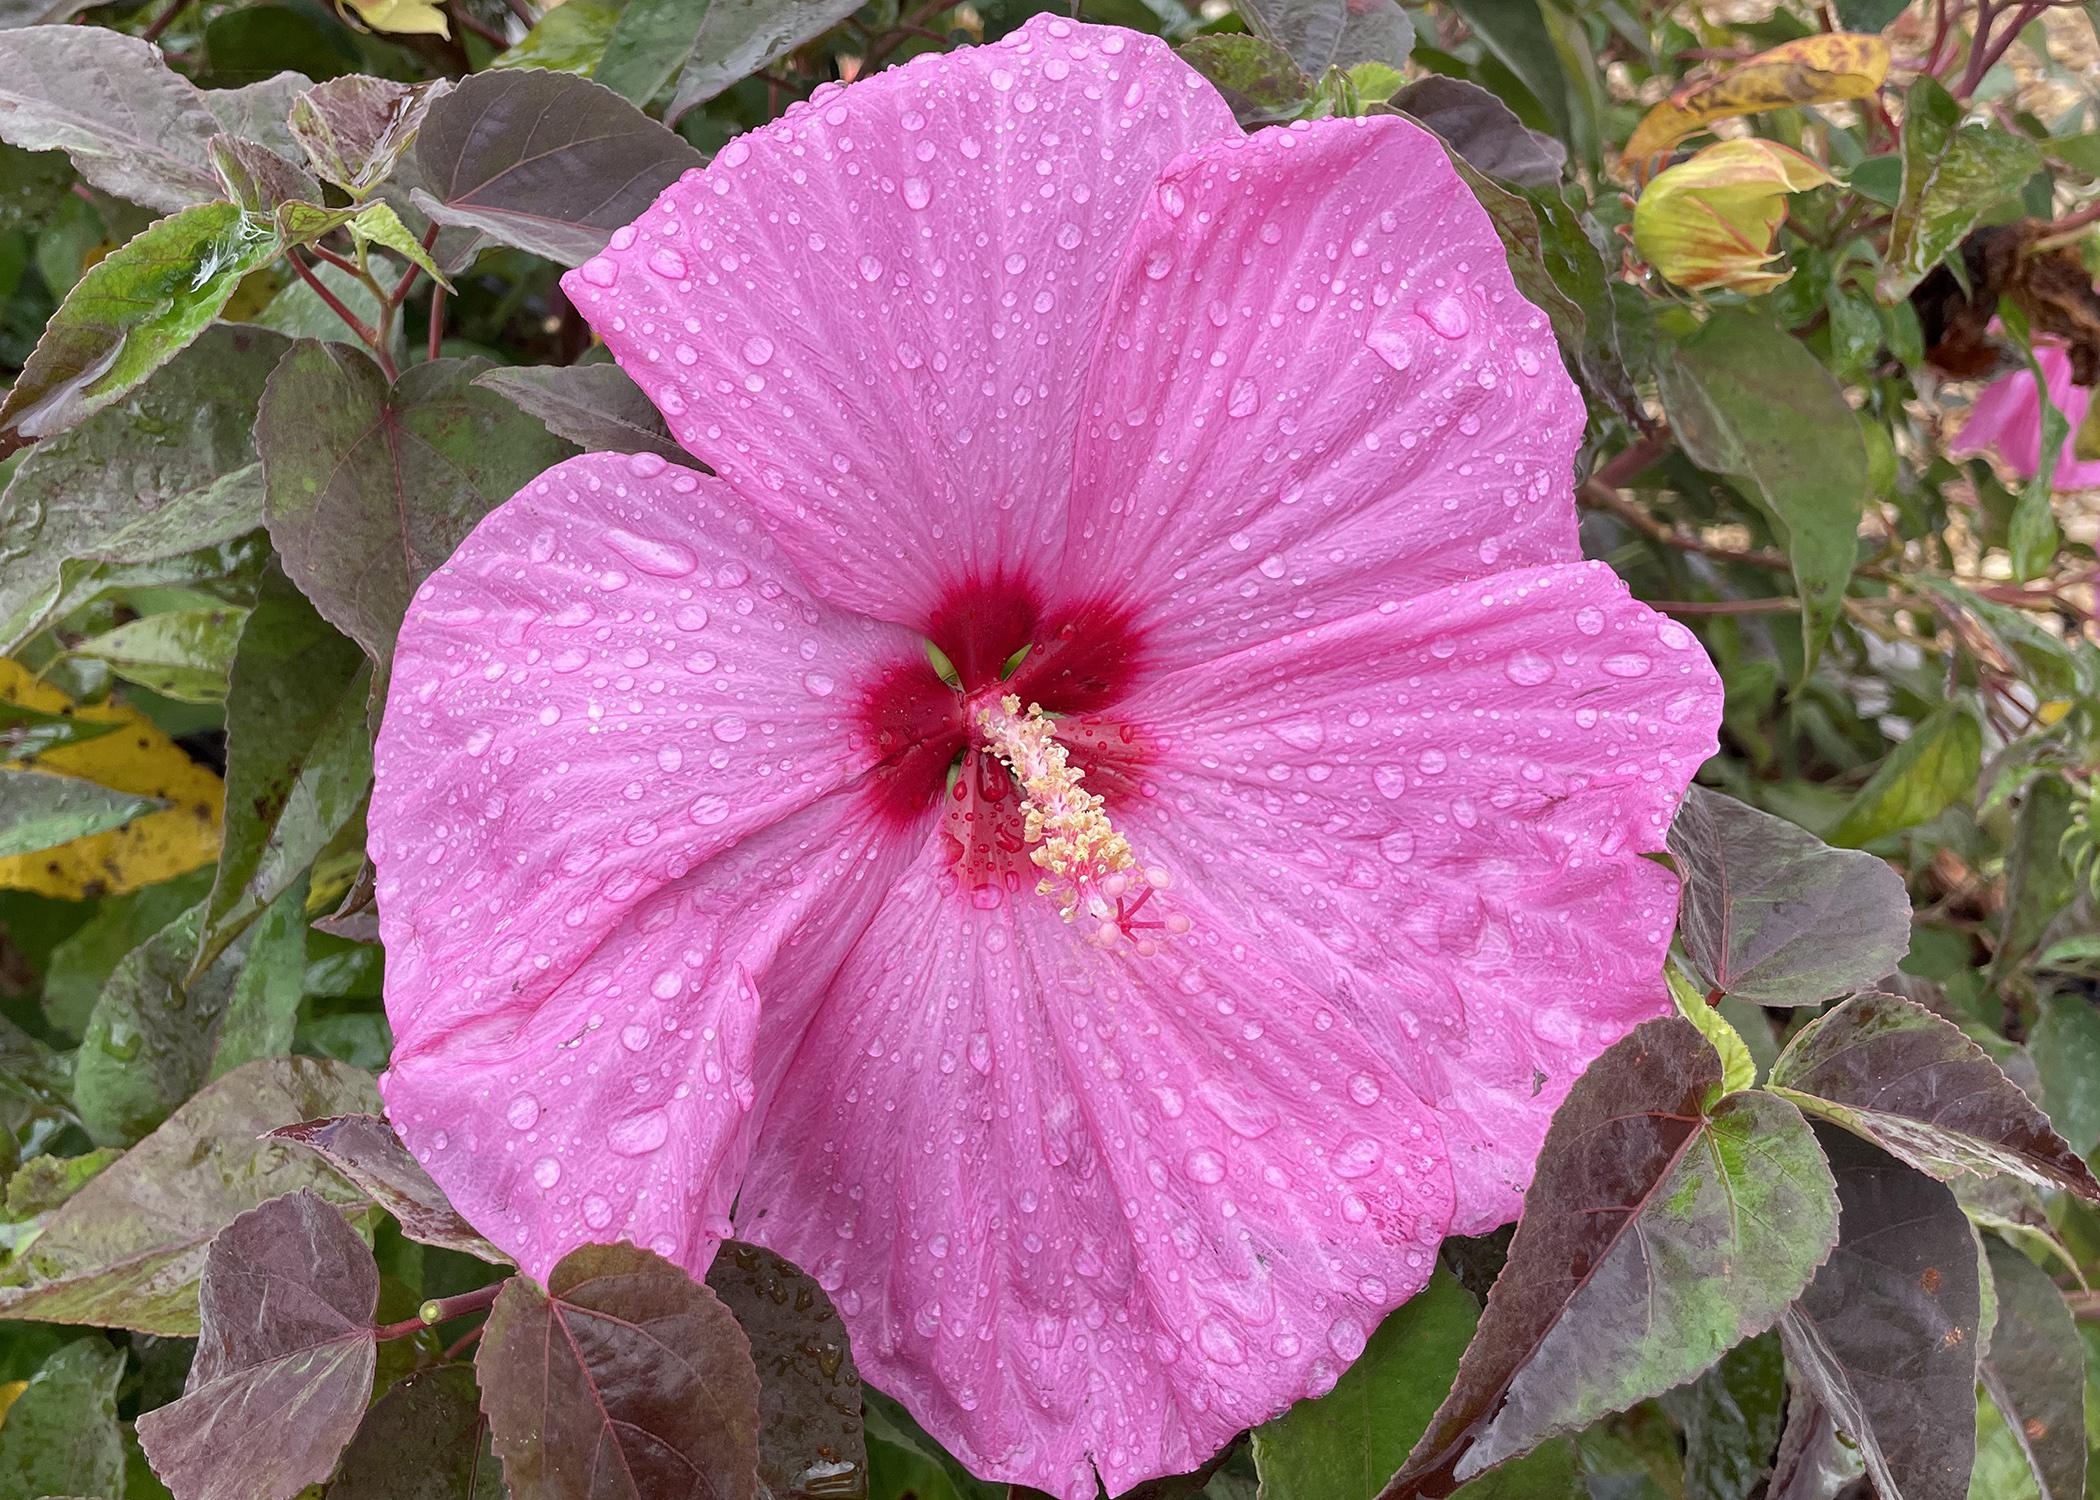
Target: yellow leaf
(1711, 221)
(1814, 70)
(8, 1392)
(135, 758)
(409, 17)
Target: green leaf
(570, 38)
(80, 966)
(1731, 1420)
(1258, 78)
(1885, 1336)
(1937, 766)
(1738, 1070)
(44, 1182)
(285, 1356)
(732, 39)
(298, 757)
(368, 488)
(623, 1356)
(262, 1012)
(598, 407)
(183, 654)
(60, 1436)
(2065, 1046)
(546, 162)
(154, 1034)
(1514, 34)
(1893, 1072)
(905, 1464)
(1346, 1444)
(425, 1438)
(1639, 1171)
(378, 224)
(32, 185)
(41, 810)
(2033, 1370)
(171, 471)
(127, 1249)
(1952, 174)
(132, 313)
(1751, 402)
(2039, 886)
(1323, 34)
(1773, 915)
(26, 733)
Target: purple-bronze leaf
(1773, 915)
(354, 129)
(365, 1149)
(624, 1380)
(547, 162)
(368, 485)
(1484, 130)
(1658, 1233)
(810, 1439)
(2034, 1372)
(284, 1360)
(1888, 1069)
(1885, 1336)
(127, 1249)
(425, 1439)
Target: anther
(1087, 865)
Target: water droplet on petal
(638, 1135)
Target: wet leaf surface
(624, 1380)
(1914, 1084)
(1658, 1233)
(364, 1149)
(284, 1357)
(1773, 915)
(1885, 1337)
(2033, 1370)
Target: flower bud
(1710, 221)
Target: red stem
(437, 321)
(441, 1310)
(350, 319)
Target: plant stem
(437, 321)
(369, 338)
(441, 1310)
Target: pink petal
(615, 774)
(2006, 420)
(1081, 1209)
(1317, 388)
(1435, 816)
(873, 317)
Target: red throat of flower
(1016, 738)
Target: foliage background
(278, 295)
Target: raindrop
(638, 1135)
(546, 1171)
(524, 1112)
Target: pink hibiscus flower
(2006, 421)
(1113, 1105)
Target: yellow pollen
(1088, 866)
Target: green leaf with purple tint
(1890, 1070)
(1659, 1232)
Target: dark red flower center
(1000, 639)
